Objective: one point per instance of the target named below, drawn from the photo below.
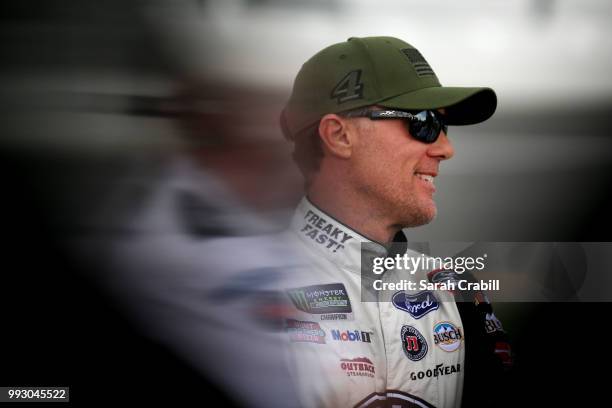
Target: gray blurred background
(96, 96)
(89, 93)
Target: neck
(353, 211)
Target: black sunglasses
(425, 126)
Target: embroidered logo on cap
(421, 66)
(349, 88)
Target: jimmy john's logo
(447, 336)
(413, 343)
(328, 302)
(357, 367)
(324, 232)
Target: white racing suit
(404, 349)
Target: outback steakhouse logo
(357, 367)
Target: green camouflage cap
(381, 71)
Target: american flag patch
(421, 66)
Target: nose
(442, 149)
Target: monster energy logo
(299, 299)
(319, 299)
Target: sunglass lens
(442, 121)
(425, 127)
(418, 127)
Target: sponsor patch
(352, 335)
(324, 232)
(329, 301)
(308, 332)
(357, 367)
(413, 343)
(492, 324)
(336, 316)
(417, 305)
(439, 370)
(447, 336)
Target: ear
(336, 134)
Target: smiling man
(369, 119)
(387, 176)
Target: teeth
(425, 177)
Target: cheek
(388, 157)
(383, 169)
(372, 161)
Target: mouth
(427, 179)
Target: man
(369, 119)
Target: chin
(424, 215)
(426, 219)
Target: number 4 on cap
(349, 87)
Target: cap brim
(464, 106)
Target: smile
(425, 177)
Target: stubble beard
(415, 214)
(406, 211)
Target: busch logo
(447, 336)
